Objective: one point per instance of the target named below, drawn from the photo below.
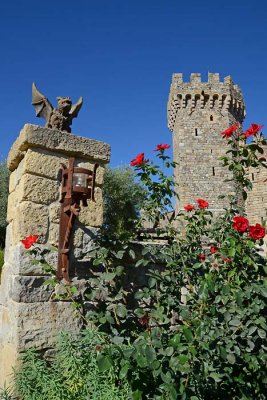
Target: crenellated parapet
(213, 95)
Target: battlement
(195, 77)
(212, 95)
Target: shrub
(77, 370)
(123, 199)
(198, 328)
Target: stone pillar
(28, 314)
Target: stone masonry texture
(197, 113)
(29, 315)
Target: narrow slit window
(210, 151)
(252, 177)
(196, 132)
(213, 171)
(211, 118)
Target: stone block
(83, 240)
(38, 189)
(54, 212)
(93, 214)
(11, 205)
(30, 289)
(44, 163)
(57, 141)
(21, 262)
(40, 323)
(8, 361)
(31, 219)
(12, 181)
(53, 234)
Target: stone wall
(256, 203)
(28, 314)
(197, 113)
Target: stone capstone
(33, 136)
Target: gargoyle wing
(42, 105)
(76, 108)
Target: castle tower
(197, 113)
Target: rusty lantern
(77, 186)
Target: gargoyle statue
(59, 118)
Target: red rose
(240, 224)
(214, 249)
(202, 257)
(28, 242)
(252, 130)
(189, 208)
(162, 147)
(144, 321)
(228, 132)
(138, 160)
(256, 231)
(202, 203)
(227, 259)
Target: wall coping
(34, 136)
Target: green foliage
(123, 199)
(4, 179)
(198, 328)
(81, 368)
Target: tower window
(210, 151)
(252, 177)
(196, 132)
(213, 171)
(211, 118)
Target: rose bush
(198, 328)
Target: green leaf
(121, 310)
(117, 340)
(261, 333)
(104, 363)
(151, 282)
(188, 334)
(137, 395)
(150, 354)
(235, 322)
(132, 254)
(141, 361)
(108, 276)
(251, 330)
(119, 270)
(50, 281)
(231, 358)
(124, 370)
(215, 376)
(231, 252)
(120, 254)
(73, 290)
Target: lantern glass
(80, 180)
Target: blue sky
(120, 55)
